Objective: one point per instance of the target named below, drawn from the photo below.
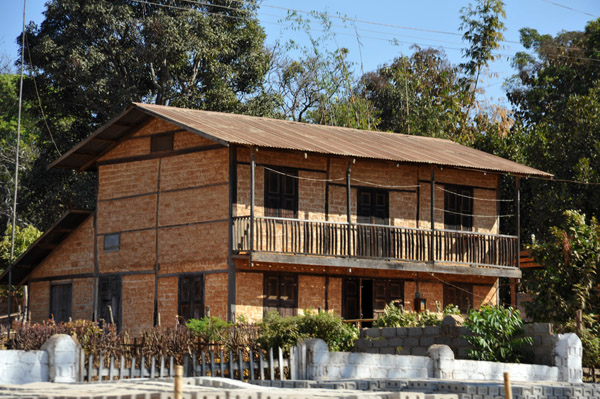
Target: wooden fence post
(507, 386)
(178, 382)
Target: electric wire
(474, 198)
(473, 215)
(570, 8)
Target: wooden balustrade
(309, 237)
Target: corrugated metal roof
(229, 129)
(44, 245)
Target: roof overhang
(233, 129)
(43, 246)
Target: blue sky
(425, 22)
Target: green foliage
(497, 334)
(210, 330)
(396, 316)
(284, 332)
(91, 59)
(569, 279)
(421, 94)
(24, 237)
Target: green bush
(497, 334)
(284, 332)
(396, 316)
(209, 330)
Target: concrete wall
(58, 361)
(417, 340)
(23, 367)
(439, 362)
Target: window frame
(458, 207)
(285, 307)
(114, 247)
(278, 203)
(361, 216)
(162, 142)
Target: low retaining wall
(58, 361)
(22, 367)
(320, 364)
(415, 341)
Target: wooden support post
(579, 320)
(513, 292)
(252, 195)
(432, 239)
(178, 382)
(518, 215)
(348, 208)
(507, 386)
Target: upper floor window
(373, 206)
(161, 142)
(458, 208)
(281, 193)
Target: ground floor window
(459, 294)
(365, 298)
(109, 298)
(61, 297)
(281, 293)
(191, 296)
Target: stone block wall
(415, 341)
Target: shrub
(284, 332)
(396, 316)
(497, 334)
(209, 330)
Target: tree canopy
(91, 59)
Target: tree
(569, 279)
(556, 100)
(316, 84)
(421, 94)
(91, 59)
(9, 106)
(24, 237)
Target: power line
(348, 19)
(569, 8)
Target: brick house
(201, 210)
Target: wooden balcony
(369, 244)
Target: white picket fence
(254, 365)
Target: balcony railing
(307, 237)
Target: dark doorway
(191, 296)
(372, 209)
(459, 294)
(365, 298)
(109, 299)
(60, 302)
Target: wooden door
(109, 287)
(60, 302)
(191, 296)
(281, 293)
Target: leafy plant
(396, 316)
(284, 332)
(497, 334)
(209, 330)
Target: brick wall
(249, 294)
(311, 293)
(167, 300)
(215, 294)
(137, 302)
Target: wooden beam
(425, 267)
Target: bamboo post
(178, 382)
(579, 320)
(507, 386)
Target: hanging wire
(37, 93)
(462, 289)
(475, 198)
(473, 215)
(303, 178)
(383, 185)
